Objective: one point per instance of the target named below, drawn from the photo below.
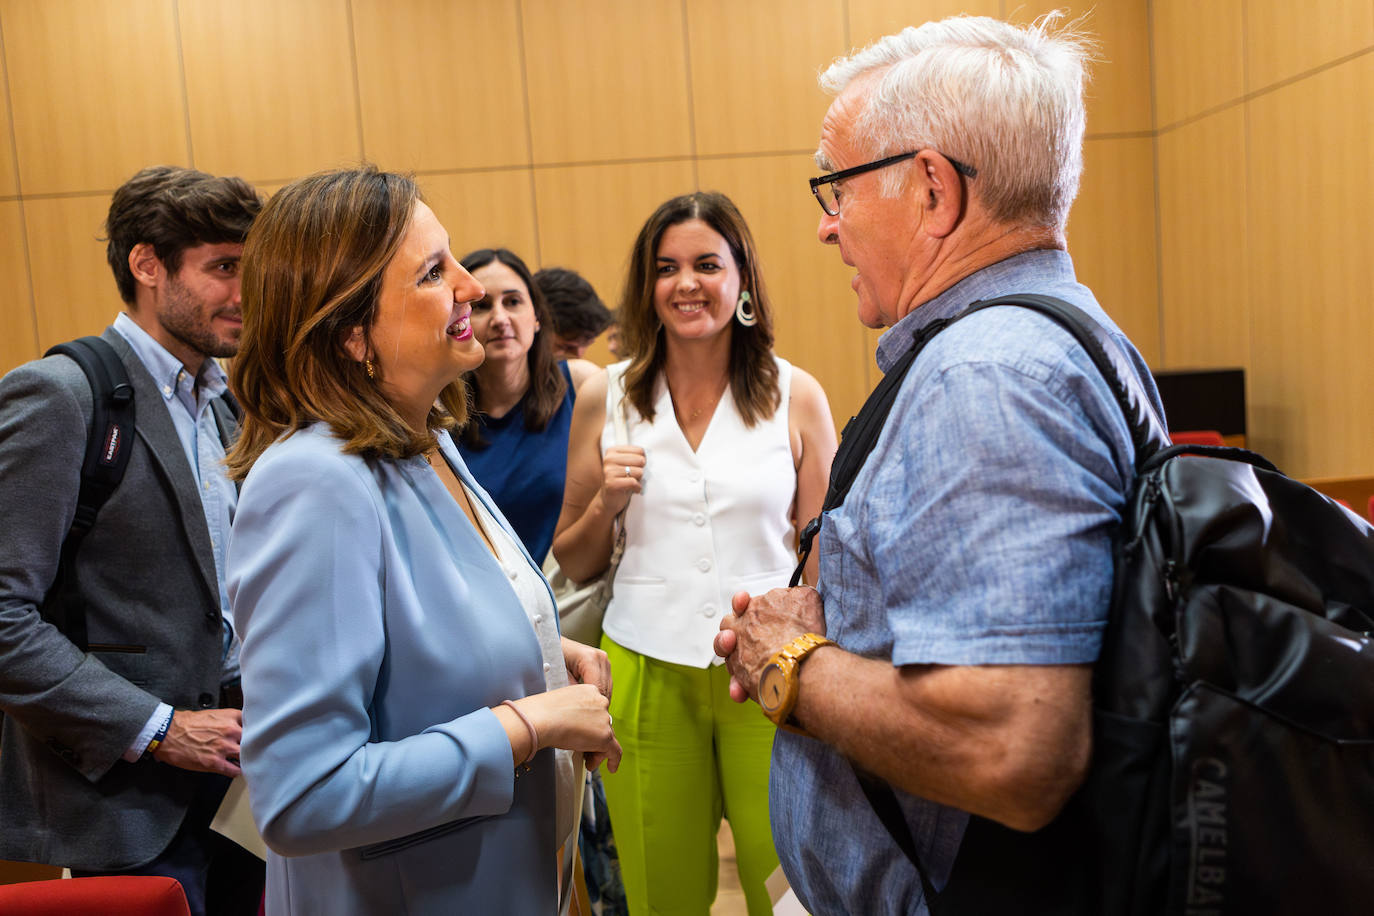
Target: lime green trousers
(691, 754)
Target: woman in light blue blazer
(410, 710)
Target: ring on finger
(627, 470)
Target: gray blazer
(146, 574)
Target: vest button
(698, 519)
(704, 565)
(708, 610)
(205, 701)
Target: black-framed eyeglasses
(824, 187)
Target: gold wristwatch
(780, 682)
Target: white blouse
(533, 595)
(707, 524)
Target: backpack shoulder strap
(860, 435)
(1148, 432)
(109, 443)
(108, 440)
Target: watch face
(772, 688)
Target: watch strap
(789, 659)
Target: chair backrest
(126, 895)
(1196, 437)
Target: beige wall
(555, 126)
(1265, 110)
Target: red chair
(1197, 437)
(127, 895)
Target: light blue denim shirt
(188, 400)
(979, 531)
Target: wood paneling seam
(1154, 156)
(529, 131)
(185, 90)
(1121, 135)
(19, 186)
(691, 96)
(1267, 90)
(357, 83)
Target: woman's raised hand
(622, 469)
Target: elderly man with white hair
(965, 581)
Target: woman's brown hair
(312, 271)
(753, 373)
(547, 385)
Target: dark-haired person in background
(729, 454)
(517, 444)
(579, 316)
(116, 758)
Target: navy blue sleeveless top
(523, 470)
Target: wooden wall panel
(589, 215)
(746, 96)
(607, 80)
(870, 20)
(270, 87)
(815, 317)
(9, 170)
(427, 108)
(1310, 226)
(1112, 236)
(19, 343)
(1198, 57)
(95, 90)
(486, 210)
(74, 291)
(1205, 308)
(1284, 38)
(1118, 95)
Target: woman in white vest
(728, 456)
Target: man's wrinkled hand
(759, 627)
(205, 740)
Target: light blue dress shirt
(187, 399)
(980, 531)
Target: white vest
(708, 523)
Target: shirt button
(698, 519)
(547, 666)
(704, 565)
(538, 618)
(708, 610)
(511, 574)
(694, 476)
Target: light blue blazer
(377, 631)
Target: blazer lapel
(154, 426)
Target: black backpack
(109, 443)
(1233, 720)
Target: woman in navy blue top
(517, 446)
